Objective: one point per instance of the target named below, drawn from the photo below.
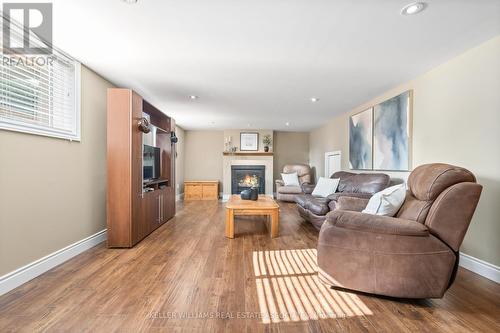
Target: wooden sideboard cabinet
(201, 190)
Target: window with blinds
(40, 94)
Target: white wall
(52, 191)
(203, 155)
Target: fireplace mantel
(244, 153)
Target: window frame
(23, 127)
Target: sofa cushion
(316, 205)
(325, 187)
(414, 209)
(307, 188)
(386, 202)
(350, 203)
(376, 224)
(301, 200)
(290, 189)
(336, 196)
(290, 179)
(427, 181)
(361, 183)
(302, 170)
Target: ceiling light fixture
(130, 2)
(194, 97)
(413, 8)
(314, 99)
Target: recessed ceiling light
(194, 97)
(130, 2)
(314, 99)
(413, 8)
(287, 124)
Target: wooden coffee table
(265, 205)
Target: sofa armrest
(307, 188)
(351, 203)
(376, 224)
(335, 196)
(279, 182)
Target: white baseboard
(179, 197)
(22, 275)
(480, 267)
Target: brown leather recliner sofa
(412, 255)
(288, 193)
(361, 185)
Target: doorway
(333, 162)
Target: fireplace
(243, 176)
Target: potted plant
(267, 141)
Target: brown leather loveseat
(361, 185)
(412, 255)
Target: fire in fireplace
(249, 181)
(246, 176)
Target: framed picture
(249, 141)
(360, 140)
(392, 121)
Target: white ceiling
(257, 63)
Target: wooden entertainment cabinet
(135, 207)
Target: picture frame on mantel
(249, 141)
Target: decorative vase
(266, 148)
(246, 194)
(254, 193)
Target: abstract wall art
(360, 140)
(391, 133)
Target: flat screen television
(150, 163)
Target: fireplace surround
(249, 159)
(241, 176)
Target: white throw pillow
(290, 179)
(386, 202)
(325, 187)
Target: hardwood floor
(187, 276)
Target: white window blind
(40, 94)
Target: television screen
(151, 162)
